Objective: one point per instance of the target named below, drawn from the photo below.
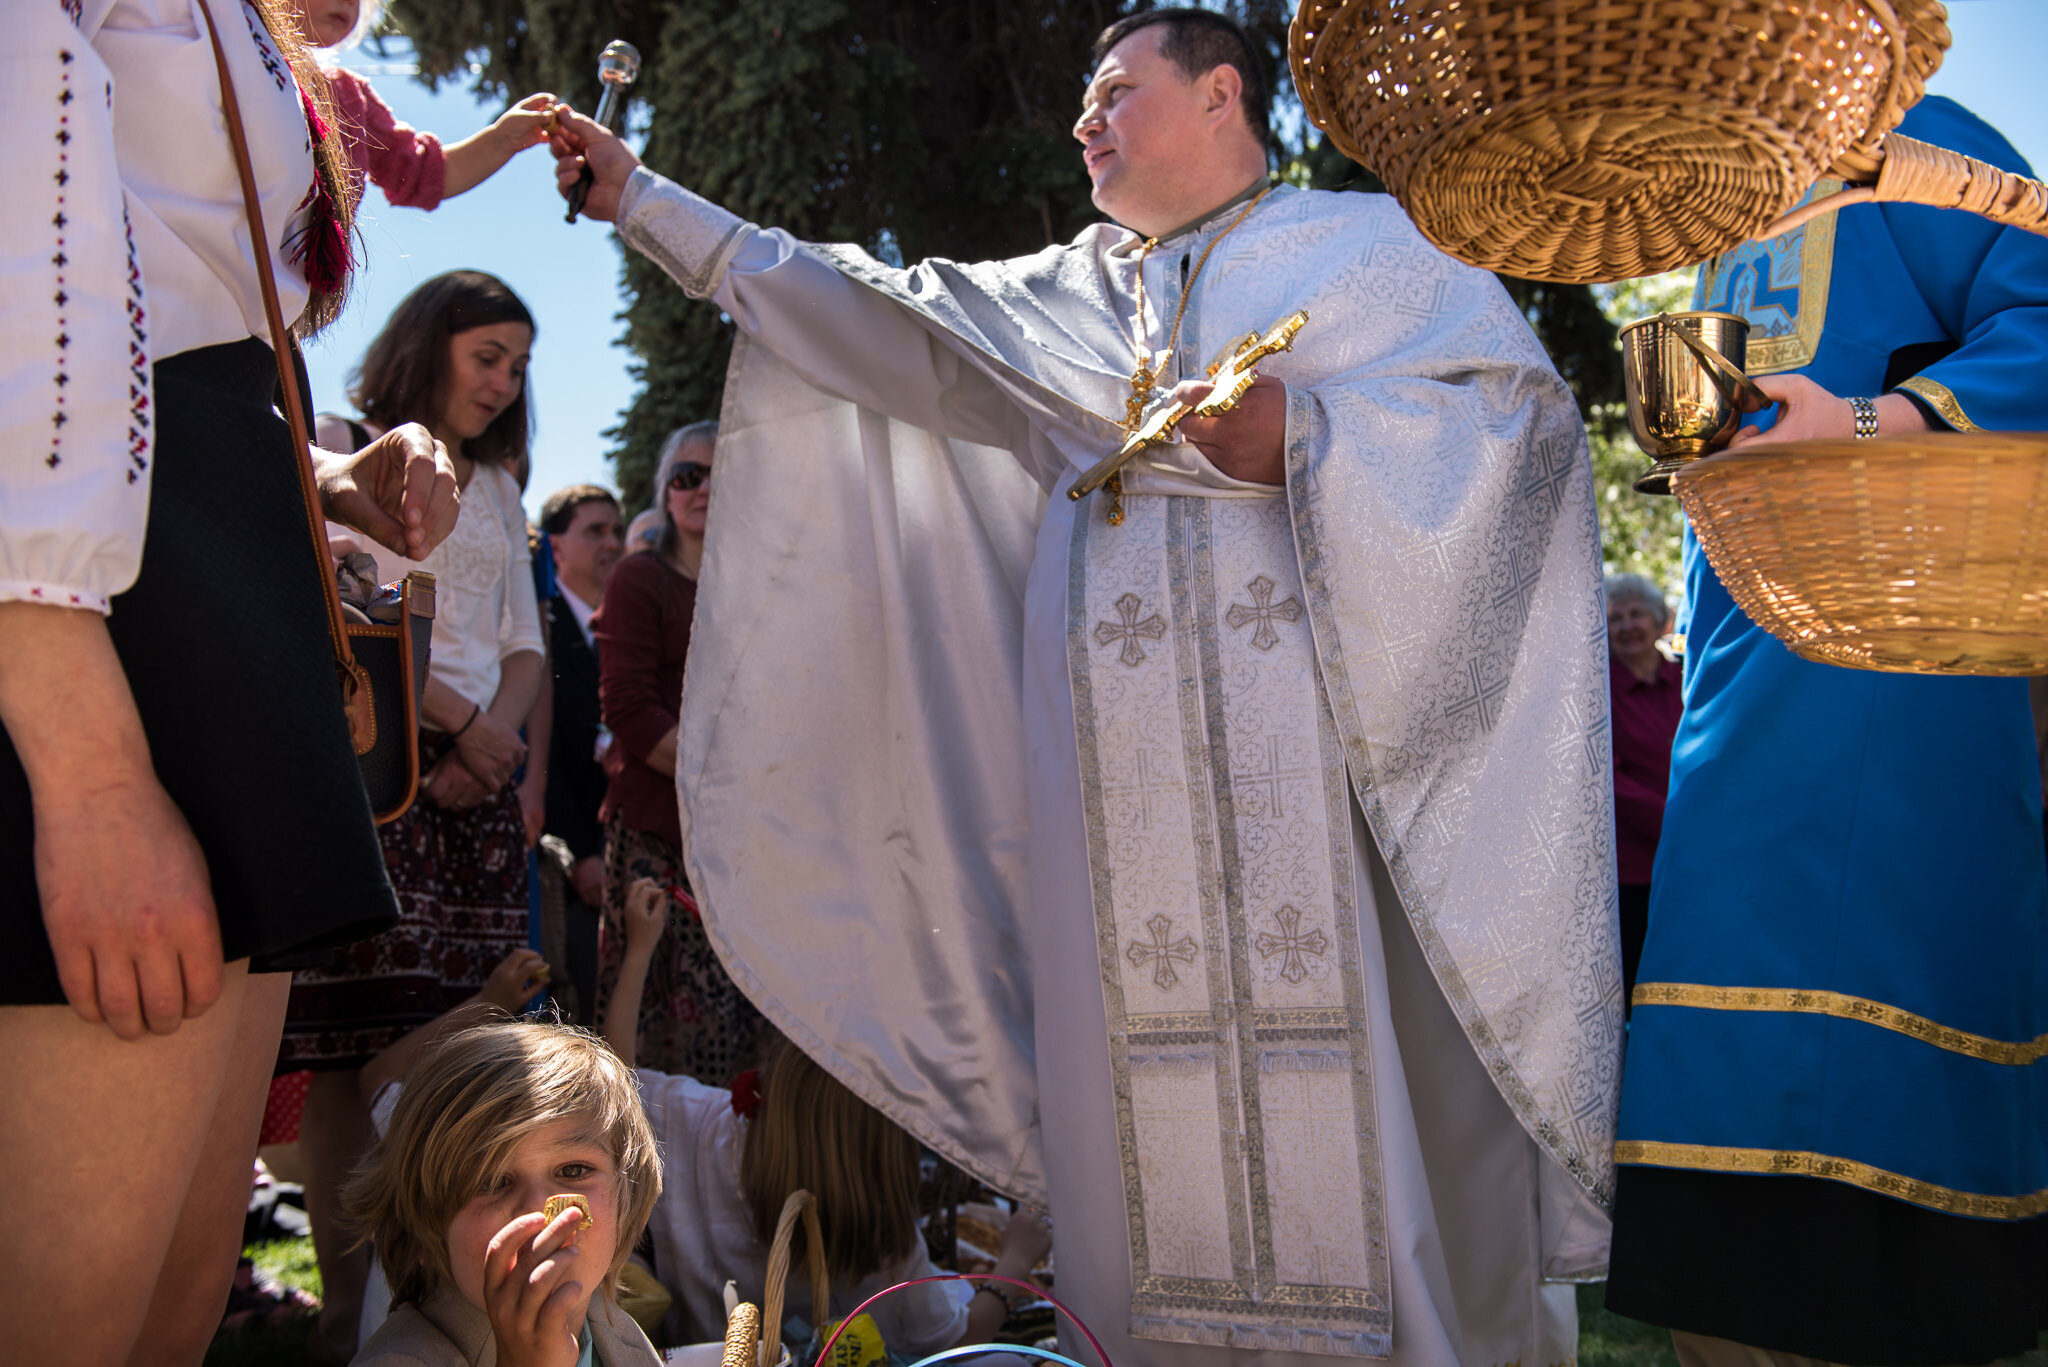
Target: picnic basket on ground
(1595, 140)
(1923, 554)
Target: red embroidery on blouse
(138, 360)
(59, 221)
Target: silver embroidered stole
(1219, 845)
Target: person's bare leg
(334, 1132)
(192, 1288)
(101, 1137)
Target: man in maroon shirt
(1647, 701)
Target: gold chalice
(1683, 375)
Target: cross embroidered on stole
(1219, 839)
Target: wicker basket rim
(1950, 445)
(1677, 316)
(1419, 150)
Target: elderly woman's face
(688, 495)
(1633, 627)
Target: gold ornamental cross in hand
(1230, 381)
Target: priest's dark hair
(1197, 41)
(403, 377)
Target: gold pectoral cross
(1230, 379)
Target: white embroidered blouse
(122, 242)
(485, 610)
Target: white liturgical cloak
(1238, 878)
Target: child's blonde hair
(465, 1108)
(812, 1134)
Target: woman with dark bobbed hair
(453, 357)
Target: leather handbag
(381, 665)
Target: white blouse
(484, 605)
(122, 243)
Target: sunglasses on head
(688, 475)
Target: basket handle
(1910, 171)
(825, 1353)
(800, 1203)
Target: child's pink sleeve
(407, 164)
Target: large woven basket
(1588, 140)
(1921, 554)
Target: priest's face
(1142, 123)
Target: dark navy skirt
(224, 640)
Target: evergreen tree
(915, 128)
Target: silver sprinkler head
(618, 66)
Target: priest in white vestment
(1228, 861)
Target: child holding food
(515, 1178)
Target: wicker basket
(1921, 554)
(753, 1336)
(1588, 140)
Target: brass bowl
(1679, 409)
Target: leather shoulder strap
(280, 342)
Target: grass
(291, 1262)
(1605, 1339)
(1608, 1340)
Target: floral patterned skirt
(460, 875)
(693, 1020)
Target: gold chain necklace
(1145, 378)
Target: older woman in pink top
(1647, 702)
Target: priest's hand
(1247, 442)
(578, 142)
(1807, 412)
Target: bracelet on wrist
(1865, 412)
(986, 1289)
(475, 710)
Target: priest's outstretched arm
(845, 338)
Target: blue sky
(569, 275)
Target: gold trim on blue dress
(1793, 1163)
(2017, 1053)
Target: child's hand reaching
(513, 982)
(646, 915)
(477, 157)
(1026, 1241)
(526, 124)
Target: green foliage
(1639, 533)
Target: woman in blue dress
(1834, 1123)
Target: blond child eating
(492, 1123)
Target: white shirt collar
(581, 609)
